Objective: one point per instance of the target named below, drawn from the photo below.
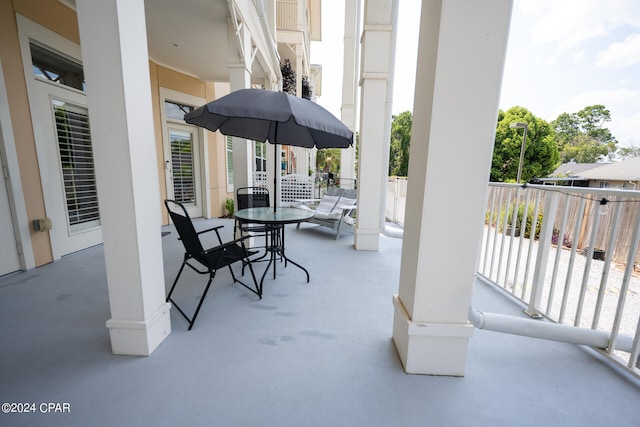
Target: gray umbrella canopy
(277, 117)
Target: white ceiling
(189, 36)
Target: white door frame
(41, 93)
(200, 142)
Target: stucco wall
(62, 20)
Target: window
(229, 164)
(173, 110)
(604, 184)
(76, 161)
(628, 186)
(56, 68)
(182, 166)
(261, 156)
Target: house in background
(624, 175)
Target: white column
(239, 60)
(119, 96)
(299, 153)
(349, 88)
(299, 69)
(461, 56)
(376, 60)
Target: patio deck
(316, 354)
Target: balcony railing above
(287, 14)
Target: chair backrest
(185, 229)
(252, 197)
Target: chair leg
(338, 230)
(204, 294)
(255, 281)
(191, 320)
(175, 282)
(258, 290)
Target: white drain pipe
(547, 330)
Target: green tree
(541, 153)
(582, 137)
(289, 78)
(629, 152)
(399, 145)
(328, 160)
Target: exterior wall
(162, 77)
(58, 18)
(52, 15)
(595, 183)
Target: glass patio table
(274, 223)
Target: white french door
(182, 171)
(61, 125)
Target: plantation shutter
(182, 165)
(76, 162)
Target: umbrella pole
(275, 177)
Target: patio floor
(316, 354)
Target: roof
(625, 170)
(573, 169)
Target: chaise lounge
(334, 210)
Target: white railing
(295, 187)
(396, 199)
(287, 14)
(564, 259)
(572, 258)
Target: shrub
(229, 206)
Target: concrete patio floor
(316, 354)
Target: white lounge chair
(335, 209)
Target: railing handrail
(562, 259)
(550, 274)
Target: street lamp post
(524, 141)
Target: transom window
(176, 111)
(56, 68)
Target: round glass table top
(282, 215)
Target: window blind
(76, 161)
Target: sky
(562, 56)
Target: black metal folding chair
(212, 259)
(252, 197)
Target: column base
(367, 239)
(430, 348)
(140, 338)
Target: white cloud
(626, 130)
(579, 56)
(623, 106)
(570, 23)
(621, 54)
(617, 99)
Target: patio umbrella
(277, 117)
